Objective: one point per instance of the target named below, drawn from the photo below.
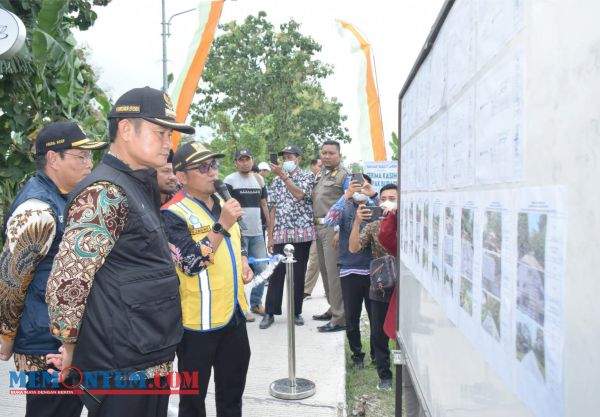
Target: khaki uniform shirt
(328, 188)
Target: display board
(499, 148)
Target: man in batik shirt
(31, 234)
(113, 294)
(291, 222)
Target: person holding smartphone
(354, 267)
(379, 301)
(291, 222)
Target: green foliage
(356, 167)
(261, 89)
(48, 80)
(394, 145)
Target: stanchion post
(291, 388)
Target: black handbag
(383, 273)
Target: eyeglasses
(203, 168)
(84, 158)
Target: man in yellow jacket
(206, 245)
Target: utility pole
(165, 34)
(164, 47)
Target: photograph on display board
(491, 273)
(449, 248)
(425, 252)
(405, 228)
(531, 240)
(530, 346)
(531, 247)
(435, 247)
(411, 228)
(418, 223)
(467, 252)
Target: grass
(363, 399)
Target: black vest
(132, 317)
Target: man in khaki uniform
(312, 270)
(329, 187)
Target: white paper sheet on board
(499, 122)
(422, 161)
(498, 23)
(437, 219)
(409, 112)
(496, 278)
(461, 142)
(423, 80)
(539, 294)
(409, 166)
(449, 258)
(404, 128)
(438, 73)
(469, 267)
(461, 46)
(436, 135)
(425, 261)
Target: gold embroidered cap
(192, 153)
(151, 105)
(60, 136)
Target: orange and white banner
(370, 130)
(187, 82)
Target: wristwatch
(218, 228)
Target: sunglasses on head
(203, 168)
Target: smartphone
(357, 176)
(274, 159)
(376, 212)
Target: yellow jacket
(209, 298)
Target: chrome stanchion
(291, 388)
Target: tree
(261, 89)
(48, 80)
(394, 145)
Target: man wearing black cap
(206, 243)
(113, 295)
(32, 231)
(249, 189)
(291, 222)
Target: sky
(125, 45)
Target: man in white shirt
(249, 189)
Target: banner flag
(370, 125)
(185, 87)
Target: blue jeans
(255, 246)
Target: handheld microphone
(223, 191)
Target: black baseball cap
(291, 149)
(60, 136)
(192, 153)
(243, 152)
(151, 105)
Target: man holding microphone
(205, 242)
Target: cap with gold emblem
(151, 105)
(192, 153)
(60, 136)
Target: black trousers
(39, 405)
(227, 350)
(275, 291)
(379, 339)
(130, 405)
(355, 292)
